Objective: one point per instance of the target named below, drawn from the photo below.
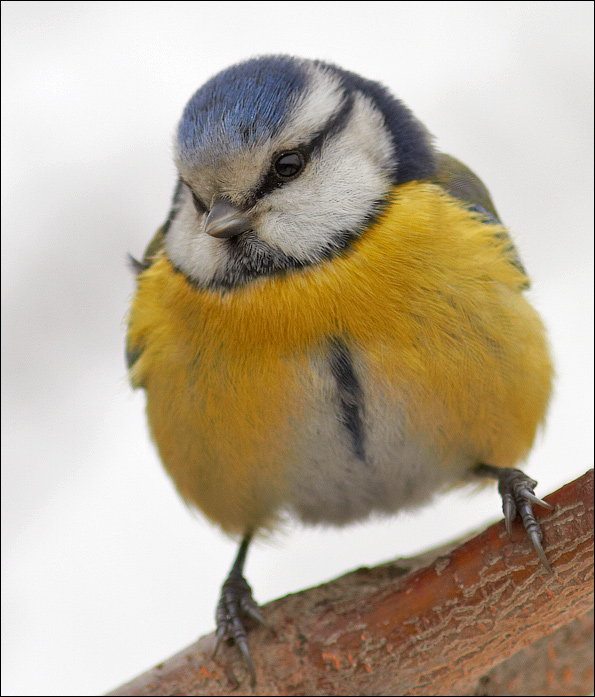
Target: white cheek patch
(189, 248)
(336, 192)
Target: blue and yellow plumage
(332, 320)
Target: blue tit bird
(331, 323)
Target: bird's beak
(226, 220)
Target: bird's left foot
(235, 604)
(517, 492)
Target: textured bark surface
(558, 664)
(484, 618)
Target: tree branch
(482, 618)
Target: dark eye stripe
(332, 127)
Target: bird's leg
(516, 490)
(236, 602)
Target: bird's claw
(516, 490)
(236, 602)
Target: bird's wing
(151, 252)
(461, 183)
(156, 243)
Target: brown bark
(483, 618)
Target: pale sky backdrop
(105, 572)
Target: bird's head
(283, 162)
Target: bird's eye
(289, 164)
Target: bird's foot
(235, 605)
(517, 492)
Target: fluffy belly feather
(364, 384)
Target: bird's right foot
(235, 605)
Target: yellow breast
(431, 308)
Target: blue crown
(243, 104)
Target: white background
(104, 571)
